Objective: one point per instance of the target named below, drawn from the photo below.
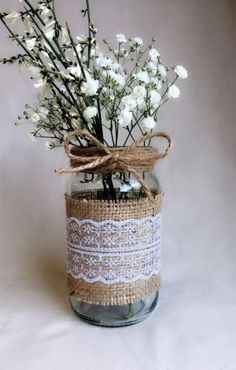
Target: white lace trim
(114, 251)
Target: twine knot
(103, 159)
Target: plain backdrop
(194, 325)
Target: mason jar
(113, 245)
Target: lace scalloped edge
(95, 255)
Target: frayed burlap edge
(87, 205)
(115, 294)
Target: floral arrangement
(115, 93)
(121, 89)
(103, 105)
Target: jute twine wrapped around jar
(113, 245)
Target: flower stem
(89, 32)
(15, 37)
(76, 52)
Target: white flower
(28, 24)
(44, 9)
(111, 74)
(157, 83)
(35, 71)
(75, 71)
(125, 118)
(162, 71)
(90, 87)
(173, 92)
(118, 78)
(105, 74)
(121, 38)
(154, 54)
(78, 48)
(116, 67)
(35, 117)
(90, 113)
(30, 43)
(181, 72)
(105, 90)
(45, 54)
(103, 61)
(49, 30)
(31, 137)
(155, 99)
(122, 51)
(93, 52)
(139, 92)
(13, 16)
(49, 145)
(143, 76)
(65, 38)
(152, 67)
(129, 102)
(138, 41)
(148, 123)
(43, 112)
(134, 184)
(39, 83)
(141, 103)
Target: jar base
(115, 316)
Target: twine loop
(111, 159)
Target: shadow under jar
(113, 246)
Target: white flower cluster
(91, 86)
(82, 87)
(90, 113)
(128, 96)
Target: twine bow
(118, 159)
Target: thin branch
(89, 33)
(17, 39)
(76, 51)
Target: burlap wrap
(99, 158)
(87, 206)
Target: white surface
(194, 326)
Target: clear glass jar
(113, 187)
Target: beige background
(194, 326)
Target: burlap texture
(115, 294)
(140, 158)
(86, 205)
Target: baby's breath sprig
(122, 89)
